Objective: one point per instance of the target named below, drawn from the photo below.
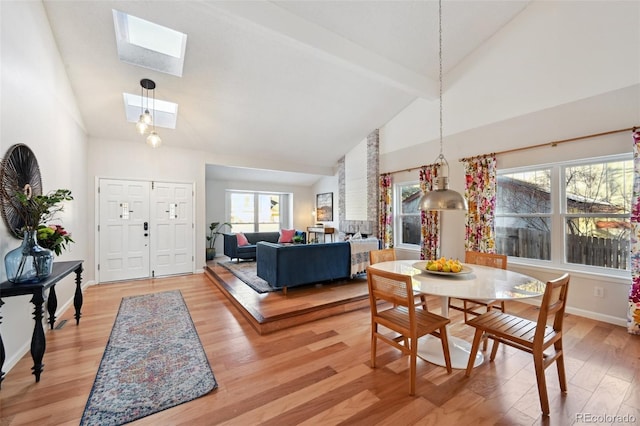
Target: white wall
(38, 109)
(323, 185)
(558, 70)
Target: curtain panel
(480, 192)
(633, 314)
(385, 220)
(430, 221)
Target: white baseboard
(622, 322)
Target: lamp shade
(442, 198)
(154, 140)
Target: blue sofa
(292, 265)
(234, 251)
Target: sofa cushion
(242, 239)
(286, 235)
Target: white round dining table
(474, 282)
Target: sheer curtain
(430, 221)
(385, 220)
(480, 192)
(633, 314)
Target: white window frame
(398, 215)
(559, 215)
(286, 203)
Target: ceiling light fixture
(442, 198)
(146, 123)
(145, 117)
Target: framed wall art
(324, 207)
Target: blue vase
(28, 263)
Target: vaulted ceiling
(294, 81)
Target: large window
(575, 213)
(257, 211)
(407, 219)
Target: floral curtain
(385, 221)
(430, 221)
(633, 315)
(480, 192)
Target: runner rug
(154, 360)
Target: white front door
(123, 240)
(145, 229)
(171, 228)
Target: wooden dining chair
(389, 254)
(470, 306)
(403, 318)
(530, 336)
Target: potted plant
(214, 231)
(297, 239)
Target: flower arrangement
(54, 238)
(35, 210)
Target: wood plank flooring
(318, 373)
(269, 312)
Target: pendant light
(146, 119)
(441, 197)
(146, 123)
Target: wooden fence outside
(534, 244)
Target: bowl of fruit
(442, 266)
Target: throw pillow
(242, 239)
(286, 235)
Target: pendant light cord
(440, 69)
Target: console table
(37, 290)
(320, 230)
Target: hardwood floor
(318, 372)
(267, 312)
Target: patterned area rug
(246, 271)
(154, 360)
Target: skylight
(149, 45)
(166, 113)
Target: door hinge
(98, 189)
(153, 185)
(98, 266)
(153, 274)
(98, 228)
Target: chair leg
(538, 362)
(445, 348)
(413, 355)
(474, 350)
(560, 366)
(494, 349)
(374, 340)
(423, 300)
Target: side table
(320, 230)
(37, 290)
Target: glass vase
(28, 263)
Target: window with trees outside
(257, 211)
(407, 219)
(567, 213)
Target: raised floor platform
(269, 312)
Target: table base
(430, 349)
